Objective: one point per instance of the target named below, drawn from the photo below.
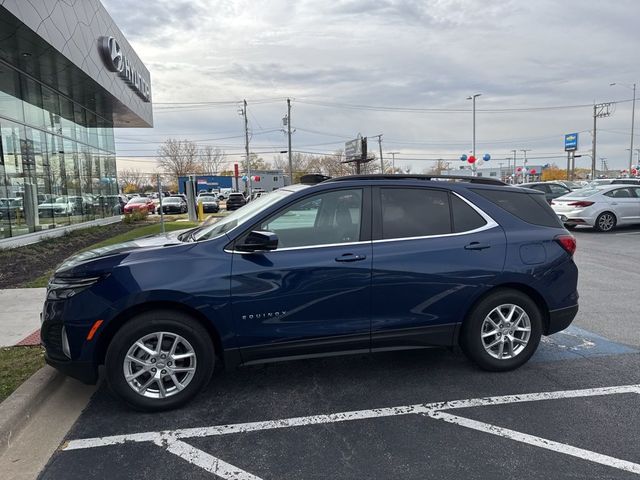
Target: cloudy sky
(402, 68)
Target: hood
(152, 241)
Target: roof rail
(455, 178)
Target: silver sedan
(601, 207)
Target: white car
(601, 207)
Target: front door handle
(350, 257)
(477, 246)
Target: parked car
(602, 207)
(614, 181)
(61, 206)
(551, 190)
(11, 208)
(140, 204)
(174, 205)
(209, 204)
(235, 201)
(378, 263)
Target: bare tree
(212, 160)
(179, 158)
(131, 180)
(439, 167)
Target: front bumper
(561, 319)
(86, 372)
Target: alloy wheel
(606, 221)
(159, 365)
(506, 331)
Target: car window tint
(414, 212)
(326, 218)
(531, 208)
(620, 193)
(465, 218)
(541, 188)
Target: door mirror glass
(257, 241)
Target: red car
(138, 204)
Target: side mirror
(258, 241)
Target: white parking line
(537, 441)
(171, 440)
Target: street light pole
(473, 149)
(633, 115)
(393, 161)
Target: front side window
(414, 212)
(558, 189)
(323, 219)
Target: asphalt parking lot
(571, 412)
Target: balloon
(634, 171)
(463, 158)
(519, 169)
(486, 157)
(533, 171)
(245, 178)
(471, 159)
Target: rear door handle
(350, 257)
(477, 246)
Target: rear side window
(532, 208)
(414, 212)
(465, 218)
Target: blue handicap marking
(575, 343)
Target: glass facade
(57, 159)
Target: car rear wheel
(605, 222)
(159, 360)
(502, 331)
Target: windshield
(138, 200)
(207, 199)
(240, 216)
(171, 200)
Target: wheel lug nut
(169, 363)
(153, 370)
(163, 372)
(153, 360)
(162, 356)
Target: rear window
(531, 208)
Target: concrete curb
(17, 408)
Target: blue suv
(353, 264)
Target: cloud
(398, 53)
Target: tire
(605, 222)
(479, 321)
(195, 369)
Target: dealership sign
(571, 142)
(116, 61)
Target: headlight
(61, 288)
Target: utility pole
(393, 161)
(246, 146)
(289, 138)
(600, 110)
(473, 142)
(525, 150)
(515, 176)
(381, 159)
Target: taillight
(568, 242)
(580, 204)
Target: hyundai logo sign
(116, 61)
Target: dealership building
(68, 77)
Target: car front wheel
(502, 331)
(159, 360)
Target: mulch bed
(19, 266)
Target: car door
(433, 252)
(624, 204)
(312, 294)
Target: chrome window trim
(491, 223)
